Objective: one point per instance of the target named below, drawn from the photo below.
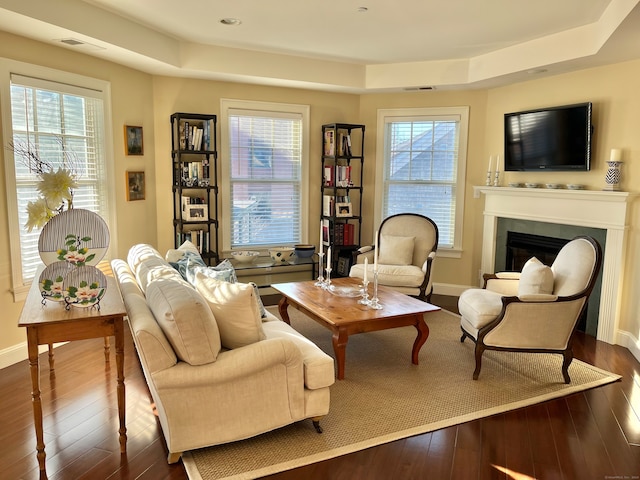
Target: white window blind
(265, 177)
(423, 155)
(64, 126)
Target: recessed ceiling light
(230, 21)
(536, 71)
(362, 9)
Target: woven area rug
(384, 397)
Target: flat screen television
(555, 139)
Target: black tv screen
(555, 138)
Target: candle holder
(613, 176)
(320, 280)
(365, 293)
(374, 303)
(496, 179)
(488, 180)
(327, 281)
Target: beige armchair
(407, 244)
(535, 310)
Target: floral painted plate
(84, 286)
(77, 236)
(51, 281)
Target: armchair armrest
(363, 252)
(366, 248)
(538, 297)
(505, 283)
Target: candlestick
(320, 280)
(374, 303)
(375, 254)
(365, 294)
(366, 266)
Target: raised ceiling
(352, 46)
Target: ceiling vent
(72, 41)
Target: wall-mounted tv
(554, 138)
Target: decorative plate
(532, 185)
(345, 291)
(575, 186)
(77, 236)
(84, 286)
(51, 281)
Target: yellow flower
(39, 214)
(56, 187)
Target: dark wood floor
(589, 435)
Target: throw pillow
(176, 254)
(234, 308)
(225, 272)
(186, 320)
(396, 250)
(535, 278)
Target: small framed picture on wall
(133, 141)
(135, 186)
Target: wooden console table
(52, 323)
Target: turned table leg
(340, 339)
(119, 334)
(32, 346)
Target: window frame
(8, 67)
(385, 116)
(226, 105)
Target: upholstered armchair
(536, 310)
(407, 244)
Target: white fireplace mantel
(588, 208)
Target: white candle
(490, 162)
(375, 254)
(616, 155)
(497, 162)
(321, 238)
(329, 257)
(366, 266)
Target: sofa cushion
(396, 250)
(535, 278)
(148, 265)
(479, 306)
(185, 319)
(392, 275)
(235, 309)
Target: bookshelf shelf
(341, 191)
(195, 182)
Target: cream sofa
(206, 394)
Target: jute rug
(384, 397)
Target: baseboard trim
(17, 353)
(449, 289)
(630, 342)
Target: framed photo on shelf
(196, 212)
(135, 186)
(133, 142)
(343, 210)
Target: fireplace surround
(593, 209)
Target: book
(329, 143)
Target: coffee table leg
(423, 334)
(282, 309)
(340, 339)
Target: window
(264, 174)
(423, 167)
(62, 120)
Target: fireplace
(521, 247)
(559, 213)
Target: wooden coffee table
(344, 316)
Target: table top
(337, 310)
(34, 313)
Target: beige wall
(140, 99)
(132, 103)
(201, 96)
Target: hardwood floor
(589, 435)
